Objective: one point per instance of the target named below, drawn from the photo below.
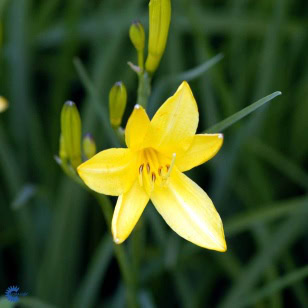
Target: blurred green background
(54, 242)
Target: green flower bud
(71, 132)
(62, 150)
(159, 22)
(117, 103)
(137, 35)
(89, 146)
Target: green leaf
(219, 127)
(275, 286)
(26, 193)
(189, 75)
(195, 72)
(89, 288)
(96, 101)
(279, 241)
(283, 164)
(266, 214)
(33, 302)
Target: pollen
(158, 168)
(148, 168)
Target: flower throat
(155, 168)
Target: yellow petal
(127, 212)
(203, 148)
(174, 122)
(110, 172)
(189, 211)
(136, 128)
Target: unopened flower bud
(89, 146)
(62, 151)
(137, 35)
(159, 22)
(3, 104)
(71, 132)
(117, 103)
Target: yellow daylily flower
(152, 166)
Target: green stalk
(120, 254)
(144, 89)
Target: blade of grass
(275, 286)
(217, 80)
(56, 282)
(120, 253)
(195, 72)
(31, 302)
(96, 101)
(212, 22)
(219, 127)
(281, 163)
(279, 241)
(225, 170)
(189, 75)
(87, 293)
(299, 288)
(64, 72)
(13, 177)
(26, 126)
(266, 214)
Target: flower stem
(144, 89)
(121, 256)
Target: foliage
(54, 241)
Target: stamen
(169, 168)
(148, 168)
(140, 175)
(159, 171)
(153, 177)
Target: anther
(153, 177)
(148, 168)
(167, 167)
(159, 171)
(140, 175)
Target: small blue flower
(12, 294)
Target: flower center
(155, 168)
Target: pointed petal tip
(117, 241)
(137, 106)
(223, 248)
(184, 84)
(220, 136)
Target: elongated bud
(89, 146)
(137, 35)
(117, 103)
(3, 104)
(160, 16)
(62, 150)
(71, 132)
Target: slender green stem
(141, 60)
(144, 89)
(120, 254)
